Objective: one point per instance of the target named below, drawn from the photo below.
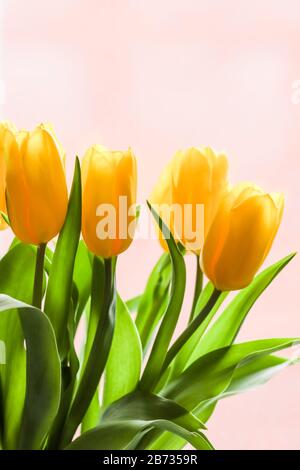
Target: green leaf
(96, 304)
(48, 259)
(154, 300)
(109, 436)
(18, 264)
(82, 277)
(246, 377)
(184, 355)
(58, 296)
(48, 254)
(164, 335)
(189, 331)
(99, 350)
(147, 406)
(42, 373)
(133, 303)
(211, 374)
(124, 362)
(92, 416)
(225, 329)
(125, 434)
(251, 375)
(14, 243)
(5, 217)
(69, 370)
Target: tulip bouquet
(129, 384)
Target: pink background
(162, 75)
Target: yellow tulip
(193, 183)
(241, 236)
(37, 196)
(108, 200)
(6, 128)
(161, 200)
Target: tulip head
(108, 200)
(161, 200)
(6, 138)
(193, 183)
(241, 236)
(36, 190)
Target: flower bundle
(132, 385)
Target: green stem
(97, 299)
(179, 343)
(66, 397)
(152, 370)
(198, 287)
(190, 330)
(150, 312)
(38, 276)
(98, 354)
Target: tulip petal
(109, 190)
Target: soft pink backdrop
(162, 75)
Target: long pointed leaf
(124, 362)
(18, 264)
(153, 302)
(164, 335)
(82, 277)
(184, 355)
(42, 373)
(148, 406)
(211, 374)
(247, 377)
(122, 435)
(58, 296)
(227, 326)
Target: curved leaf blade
(18, 264)
(247, 377)
(82, 277)
(58, 296)
(133, 303)
(187, 351)
(153, 369)
(99, 351)
(211, 374)
(124, 362)
(125, 434)
(43, 379)
(92, 416)
(153, 302)
(148, 406)
(251, 375)
(226, 328)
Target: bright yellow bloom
(241, 236)
(6, 129)
(161, 200)
(193, 183)
(108, 200)
(37, 194)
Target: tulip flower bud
(193, 184)
(36, 188)
(241, 236)
(6, 129)
(161, 200)
(108, 200)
